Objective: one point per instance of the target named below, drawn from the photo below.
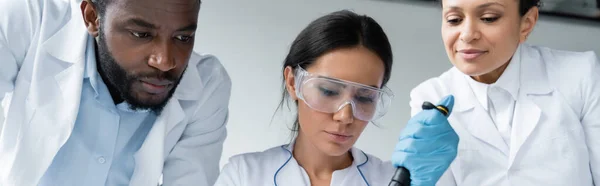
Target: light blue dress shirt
(104, 139)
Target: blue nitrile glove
(427, 145)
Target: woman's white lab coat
(277, 167)
(555, 136)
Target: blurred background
(251, 38)
(578, 9)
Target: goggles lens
(329, 95)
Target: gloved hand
(427, 145)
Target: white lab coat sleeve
(429, 91)
(18, 22)
(591, 116)
(195, 158)
(230, 175)
(8, 70)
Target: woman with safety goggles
(335, 73)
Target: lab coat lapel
(52, 103)
(358, 175)
(469, 113)
(289, 173)
(534, 88)
(191, 82)
(149, 159)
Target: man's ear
(91, 17)
(288, 74)
(528, 22)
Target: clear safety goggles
(329, 95)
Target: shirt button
(101, 160)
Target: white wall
(252, 38)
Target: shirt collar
(91, 70)
(510, 78)
(508, 81)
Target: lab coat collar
(360, 158)
(191, 83)
(533, 76)
(533, 81)
(535, 87)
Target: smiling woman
(571, 9)
(519, 107)
(495, 24)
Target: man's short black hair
(101, 5)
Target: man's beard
(117, 79)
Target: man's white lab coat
(42, 44)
